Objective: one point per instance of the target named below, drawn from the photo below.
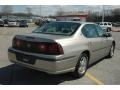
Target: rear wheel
(81, 66)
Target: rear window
(58, 28)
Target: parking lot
(106, 71)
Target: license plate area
(25, 58)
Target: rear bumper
(47, 65)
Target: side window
(89, 31)
(100, 31)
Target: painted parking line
(93, 78)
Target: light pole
(103, 14)
(40, 10)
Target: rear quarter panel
(74, 45)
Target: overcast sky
(51, 9)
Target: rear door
(105, 42)
(94, 41)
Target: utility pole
(40, 10)
(103, 13)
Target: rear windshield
(58, 28)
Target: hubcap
(83, 65)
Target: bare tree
(116, 11)
(29, 10)
(116, 14)
(6, 10)
(60, 12)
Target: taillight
(16, 42)
(50, 48)
(38, 47)
(55, 48)
(42, 47)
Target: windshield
(59, 28)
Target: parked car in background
(59, 47)
(6, 21)
(116, 24)
(1, 23)
(12, 23)
(107, 26)
(41, 22)
(23, 23)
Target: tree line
(7, 10)
(113, 16)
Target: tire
(81, 66)
(111, 53)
